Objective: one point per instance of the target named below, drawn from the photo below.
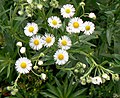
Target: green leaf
(79, 92)
(8, 71)
(109, 36)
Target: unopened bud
(19, 44)
(13, 93)
(22, 50)
(82, 4)
(35, 67)
(39, 6)
(92, 15)
(43, 76)
(40, 62)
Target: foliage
(89, 56)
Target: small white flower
(54, 22)
(39, 6)
(61, 57)
(43, 76)
(40, 62)
(36, 42)
(75, 25)
(88, 28)
(31, 29)
(64, 42)
(48, 40)
(23, 65)
(97, 80)
(92, 15)
(67, 11)
(19, 44)
(22, 50)
(29, 1)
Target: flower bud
(13, 93)
(40, 62)
(92, 15)
(22, 50)
(29, 1)
(19, 44)
(105, 76)
(76, 71)
(35, 67)
(82, 4)
(9, 88)
(39, 6)
(115, 77)
(20, 12)
(43, 76)
(15, 90)
(42, 54)
(88, 79)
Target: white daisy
(23, 65)
(67, 11)
(64, 42)
(31, 29)
(75, 25)
(54, 22)
(61, 57)
(36, 42)
(48, 40)
(88, 28)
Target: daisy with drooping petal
(31, 29)
(48, 40)
(23, 65)
(61, 57)
(36, 42)
(67, 11)
(88, 28)
(64, 42)
(75, 25)
(54, 22)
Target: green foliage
(99, 52)
(65, 90)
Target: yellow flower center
(36, 42)
(60, 56)
(75, 24)
(54, 22)
(48, 39)
(67, 11)
(23, 65)
(64, 42)
(87, 27)
(31, 29)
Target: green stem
(35, 73)
(92, 67)
(15, 84)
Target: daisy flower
(36, 42)
(31, 29)
(88, 28)
(48, 40)
(23, 65)
(67, 11)
(54, 22)
(61, 57)
(64, 42)
(75, 25)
